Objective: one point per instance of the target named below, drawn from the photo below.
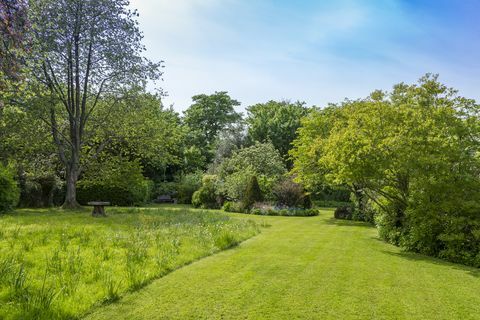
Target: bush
(261, 160)
(265, 210)
(187, 185)
(207, 196)
(291, 194)
(230, 206)
(331, 203)
(252, 193)
(9, 191)
(119, 182)
(165, 188)
(344, 213)
(40, 191)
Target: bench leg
(98, 211)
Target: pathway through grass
(308, 268)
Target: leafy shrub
(230, 206)
(119, 182)
(187, 185)
(9, 191)
(261, 160)
(165, 188)
(207, 197)
(269, 210)
(252, 193)
(292, 212)
(330, 203)
(454, 234)
(40, 190)
(291, 194)
(344, 213)
(307, 201)
(235, 184)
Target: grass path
(308, 268)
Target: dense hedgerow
(119, 182)
(9, 191)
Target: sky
(314, 51)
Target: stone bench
(165, 199)
(98, 208)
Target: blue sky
(314, 51)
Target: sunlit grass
(56, 264)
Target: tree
(207, 117)
(14, 25)
(84, 50)
(413, 153)
(276, 122)
(143, 130)
(261, 160)
(252, 193)
(229, 140)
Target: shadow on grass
(420, 257)
(347, 223)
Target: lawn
(308, 268)
(56, 264)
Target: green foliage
(261, 160)
(235, 184)
(275, 122)
(40, 190)
(117, 181)
(207, 196)
(108, 54)
(239, 207)
(143, 130)
(165, 188)
(231, 206)
(291, 194)
(59, 266)
(9, 191)
(207, 117)
(252, 193)
(410, 158)
(187, 185)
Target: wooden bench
(165, 198)
(98, 208)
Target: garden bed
(269, 210)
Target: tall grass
(58, 265)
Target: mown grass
(308, 268)
(58, 265)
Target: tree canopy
(275, 122)
(84, 51)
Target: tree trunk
(71, 195)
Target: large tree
(276, 122)
(84, 50)
(207, 117)
(14, 25)
(413, 153)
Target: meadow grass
(58, 264)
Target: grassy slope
(56, 264)
(309, 268)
